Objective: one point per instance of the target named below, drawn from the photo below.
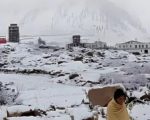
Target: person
(116, 109)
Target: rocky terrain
(52, 84)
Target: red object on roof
(3, 40)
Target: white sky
(140, 8)
(12, 10)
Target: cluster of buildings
(13, 34)
(76, 42)
(132, 46)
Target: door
(146, 51)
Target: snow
(54, 88)
(19, 108)
(140, 112)
(76, 66)
(82, 110)
(132, 58)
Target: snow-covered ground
(56, 81)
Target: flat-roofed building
(135, 47)
(13, 33)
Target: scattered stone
(145, 97)
(60, 62)
(72, 76)
(37, 112)
(46, 57)
(61, 75)
(100, 54)
(90, 54)
(78, 58)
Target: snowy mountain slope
(100, 14)
(100, 18)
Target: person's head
(120, 96)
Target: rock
(72, 76)
(61, 75)
(60, 62)
(78, 58)
(145, 97)
(100, 54)
(90, 54)
(46, 57)
(2, 64)
(24, 111)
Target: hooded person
(116, 109)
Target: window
(130, 46)
(142, 46)
(135, 46)
(146, 46)
(139, 46)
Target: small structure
(76, 42)
(134, 47)
(3, 40)
(13, 33)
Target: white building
(135, 47)
(96, 45)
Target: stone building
(13, 33)
(76, 42)
(135, 47)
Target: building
(13, 33)
(76, 42)
(96, 45)
(3, 40)
(134, 47)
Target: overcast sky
(11, 11)
(139, 8)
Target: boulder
(72, 76)
(101, 96)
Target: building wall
(143, 48)
(141, 51)
(100, 44)
(13, 33)
(96, 45)
(3, 40)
